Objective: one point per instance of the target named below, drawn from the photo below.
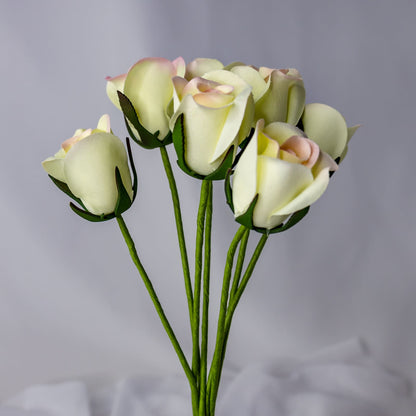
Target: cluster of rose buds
(241, 123)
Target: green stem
(179, 228)
(205, 304)
(237, 275)
(215, 374)
(240, 262)
(198, 277)
(156, 303)
(250, 268)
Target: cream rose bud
(86, 163)
(218, 113)
(284, 168)
(148, 85)
(279, 94)
(327, 127)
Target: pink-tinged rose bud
(218, 112)
(148, 85)
(284, 168)
(279, 94)
(86, 163)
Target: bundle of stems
(203, 375)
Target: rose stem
(205, 304)
(179, 228)
(198, 276)
(133, 254)
(214, 376)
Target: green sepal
(123, 201)
(179, 144)
(133, 169)
(65, 188)
(89, 216)
(228, 190)
(246, 219)
(146, 139)
(337, 161)
(222, 169)
(292, 221)
(245, 142)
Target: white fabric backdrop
(70, 301)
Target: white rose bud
(86, 163)
(218, 113)
(285, 169)
(279, 94)
(148, 85)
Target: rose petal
(150, 89)
(284, 99)
(239, 120)
(54, 166)
(253, 78)
(180, 66)
(307, 196)
(278, 182)
(214, 99)
(104, 123)
(351, 131)
(199, 66)
(282, 131)
(113, 85)
(203, 127)
(245, 176)
(326, 127)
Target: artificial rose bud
(200, 66)
(148, 85)
(218, 112)
(86, 163)
(279, 94)
(327, 127)
(284, 169)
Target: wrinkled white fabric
(343, 380)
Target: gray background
(70, 302)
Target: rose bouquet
(243, 125)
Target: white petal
(351, 131)
(90, 171)
(284, 98)
(235, 121)
(113, 85)
(55, 167)
(203, 128)
(282, 131)
(200, 66)
(228, 78)
(326, 127)
(104, 123)
(253, 78)
(245, 177)
(278, 182)
(308, 196)
(180, 66)
(150, 89)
